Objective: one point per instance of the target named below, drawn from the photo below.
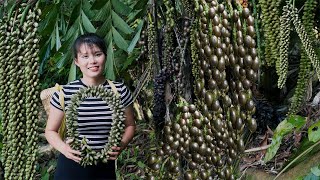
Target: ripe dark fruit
(245, 13)
(252, 125)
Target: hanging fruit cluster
(204, 139)
(271, 27)
(19, 90)
(309, 13)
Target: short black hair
(89, 39)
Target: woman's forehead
(88, 48)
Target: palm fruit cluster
(309, 13)
(282, 62)
(205, 138)
(169, 14)
(143, 43)
(89, 156)
(228, 65)
(159, 109)
(271, 27)
(19, 89)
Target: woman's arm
(52, 136)
(129, 130)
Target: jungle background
(220, 87)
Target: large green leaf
(105, 28)
(103, 12)
(136, 37)
(72, 31)
(119, 23)
(86, 23)
(110, 63)
(284, 128)
(120, 7)
(98, 4)
(73, 72)
(108, 37)
(47, 25)
(314, 132)
(119, 40)
(76, 12)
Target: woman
(94, 116)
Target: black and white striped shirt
(94, 115)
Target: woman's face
(90, 60)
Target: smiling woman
(95, 116)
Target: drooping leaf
(110, 63)
(86, 23)
(119, 40)
(58, 42)
(105, 28)
(120, 24)
(73, 72)
(136, 37)
(97, 4)
(76, 12)
(47, 25)
(133, 15)
(72, 30)
(285, 127)
(120, 7)
(108, 37)
(103, 12)
(86, 7)
(314, 132)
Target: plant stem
(295, 159)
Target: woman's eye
(85, 56)
(99, 54)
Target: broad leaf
(314, 132)
(63, 59)
(120, 7)
(110, 63)
(47, 25)
(86, 23)
(76, 12)
(132, 15)
(98, 4)
(72, 72)
(108, 37)
(103, 13)
(105, 28)
(119, 23)
(297, 121)
(136, 37)
(118, 39)
(72, 30)
(285, 127)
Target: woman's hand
(69, 153)
(116, 151)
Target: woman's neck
(93, 81)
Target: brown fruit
(250, 30)
(250, 21)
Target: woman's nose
(92, 60)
